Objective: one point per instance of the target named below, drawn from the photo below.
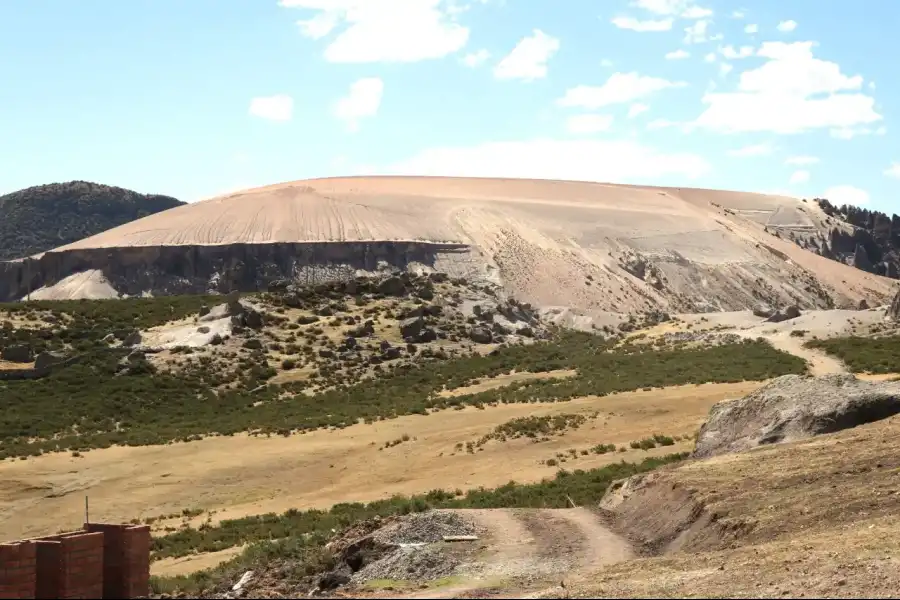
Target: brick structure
(126, 564)
(101, 561)
(18, 570)
(70, 566)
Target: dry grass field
(243, 475)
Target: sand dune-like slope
(591, 246)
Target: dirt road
(819, 362)
(528, 551)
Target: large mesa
(586, 246)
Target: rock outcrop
(17, 353)
(791, 312)
(870, 243)
(794, 407)
(893, 311)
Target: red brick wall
(103, 561)
(18, 574)
(126, 559)
(70, 566)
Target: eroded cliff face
(169, 270)
(625, 280)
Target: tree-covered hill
(44, 217)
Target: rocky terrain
(867, 239)
(40, 218)
(585, 249)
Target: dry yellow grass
(195, 562)
(243, 475)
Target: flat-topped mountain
(588, 246)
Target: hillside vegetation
(94, 403)
(44, 217)
(863, 354)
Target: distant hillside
(44, 217)
(872, 245)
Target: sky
(195, 98)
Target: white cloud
(848, 133)
(752, 28)
(784, 95)
(677, 54)
(695, 12)
(846, 194)
(279, 107)
(606, 63)
(685, 9)
(642, 26)
(636, 109)
(787, 26)
(732, 53)
(382, 30)
(799, 177)
(710, 57)
(696, 33)
(319, 25)
(528, 60)
(738, 14)
(661, 124)
(361, 102)
(619, 88)
(578, 160)
(801, 160)
(753, 150)
(588, 123)
(893, 170)
(725, 69)
(473, 59)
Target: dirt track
(529, 551)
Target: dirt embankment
(816, 516)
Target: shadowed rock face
(872, 244)
(219, 269)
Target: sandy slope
(592, 246)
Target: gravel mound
(426, 528)
(409, 549)
(410, 563)
(794, 407)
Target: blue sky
(201, 97)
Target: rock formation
(893, 311)
(794, 407)
(588, 247)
